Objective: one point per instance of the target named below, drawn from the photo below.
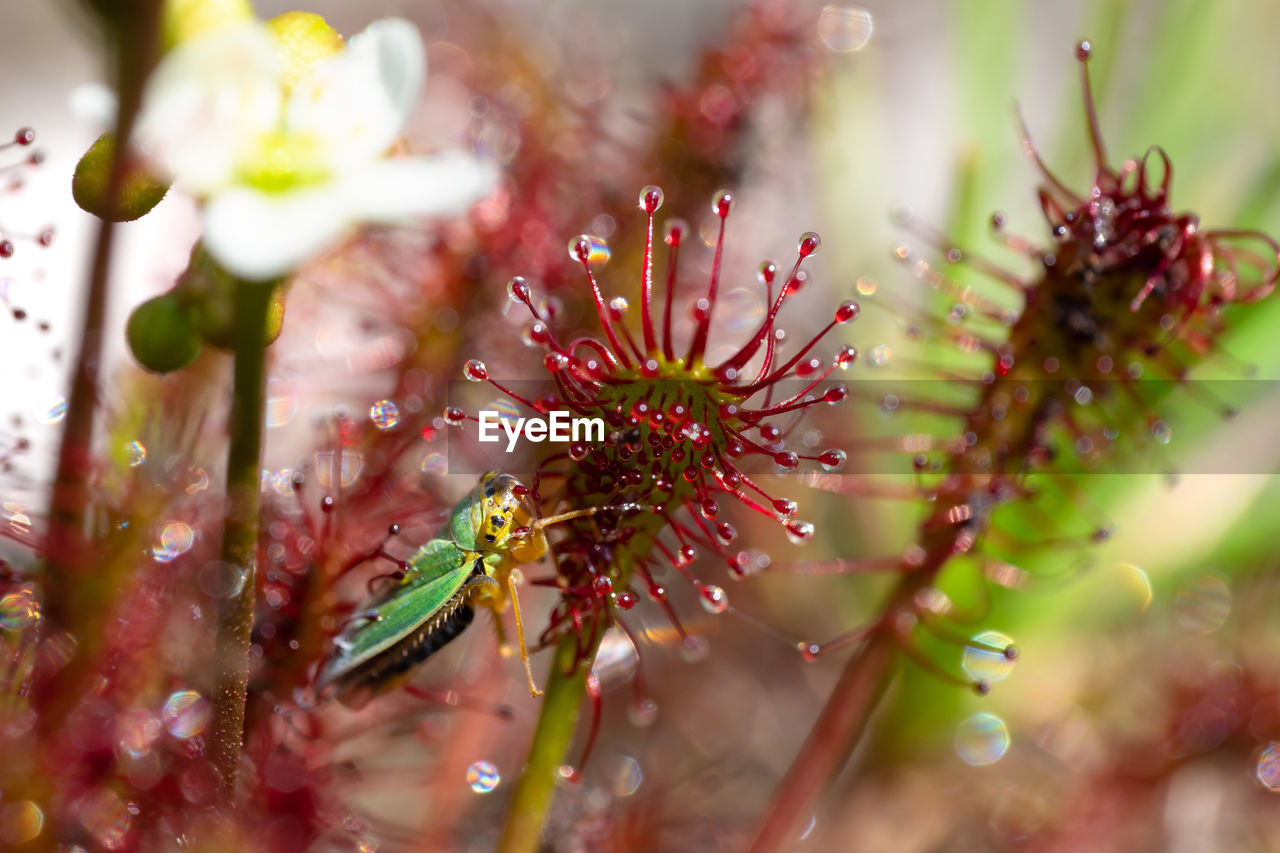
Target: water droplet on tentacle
(809, 244)
(722, 203)
(986, 658)
(713, 598)
(832, 460)
(586, 248)
(185, 714)
(384, 414)
(799, 532)
(18, 610)
(483, 777)
(518, 289)
(848, 312)
(651, 199)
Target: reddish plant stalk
(832, 738)
(77, 594)
(78, 589)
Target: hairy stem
(240, 530)
(839, 727)
(557, 722)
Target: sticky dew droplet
(483, 777)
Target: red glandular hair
(680, 429)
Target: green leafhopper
(489, 533)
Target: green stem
(240, 530)
(557, 722)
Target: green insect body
(490, 532)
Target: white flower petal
(260, 236)
(396, 189)
(207, 104)
(355, 104)
(342, 107)
(395, 46)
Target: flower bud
(161, 336)
(210, 291)
(140, 191)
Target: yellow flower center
(302, 40)
(284, 161)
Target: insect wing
(438, 571)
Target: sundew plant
(923, 358)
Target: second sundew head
(680, 431)
(1128, 287)
(1127, 275)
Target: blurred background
(1143, 711)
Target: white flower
(289, 157)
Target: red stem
(838, 729)
(77, 593)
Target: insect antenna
(543, 523)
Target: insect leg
(496, 605)
(524, 651)
(493, 592)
